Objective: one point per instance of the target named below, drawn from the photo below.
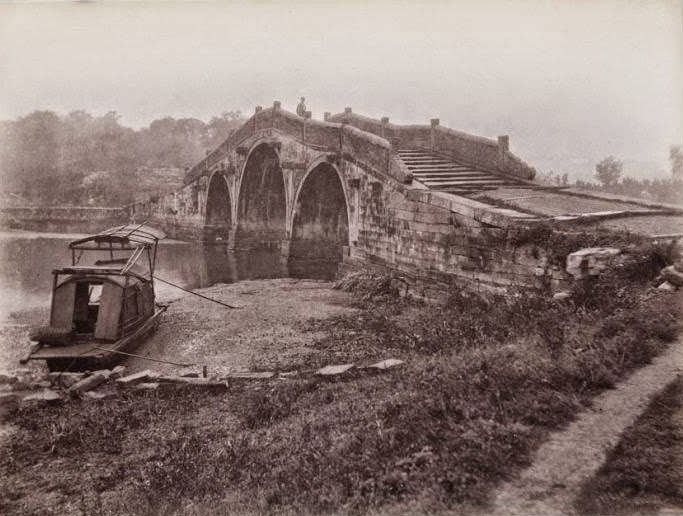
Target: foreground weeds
(485, 380)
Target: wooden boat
(103, 309)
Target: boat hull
(95, 355)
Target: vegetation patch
(484, 380)
(557, 245)
(644, 472)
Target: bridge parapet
(464, 147)
(353, 143)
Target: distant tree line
(608, 174)
(81, 159)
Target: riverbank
(485, 382)
(264, 329)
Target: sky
(570, 81)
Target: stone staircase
(446, 175)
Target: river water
(28, 258)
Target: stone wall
(434, 248)
(64, 219)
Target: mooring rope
(196, 294)
(144, 358)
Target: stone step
(445, 166)
(423, 159)
(472, 175)
(439, 173)
(460, 182)
(450, 171)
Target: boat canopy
(127, 237)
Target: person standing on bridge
(301, 108)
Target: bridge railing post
(385, 122)
(434, 123)
(276, 109)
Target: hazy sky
(569, 81)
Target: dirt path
(573, 455)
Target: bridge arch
(320, 222)
(262, 199)
(218, 212)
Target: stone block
(189, 373)
(590, 261)
(334, 370)
(672, 275)
(134, 378)
(118, 372)
(46, 395)
(386, 364)
(106, 373)
(88, 383)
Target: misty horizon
(570, 82)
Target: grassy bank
(644, 472)
(485, 379)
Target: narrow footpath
(573, 455)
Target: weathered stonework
(363, 207)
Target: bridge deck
(450, 176)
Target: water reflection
(27, 260)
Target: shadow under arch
(218, 219)
(262, 202)
(320, 227)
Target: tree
(608, 171)
(676, 158)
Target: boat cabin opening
(103, 308)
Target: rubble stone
(88, 383)
(590, 261)
(561, 296)
(103, 372)
(666, 286)
(137, 377)
(118, 372)
(386, 364)
(46, 395)
(672, 275)
(334, 369)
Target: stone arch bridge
(433, 204)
